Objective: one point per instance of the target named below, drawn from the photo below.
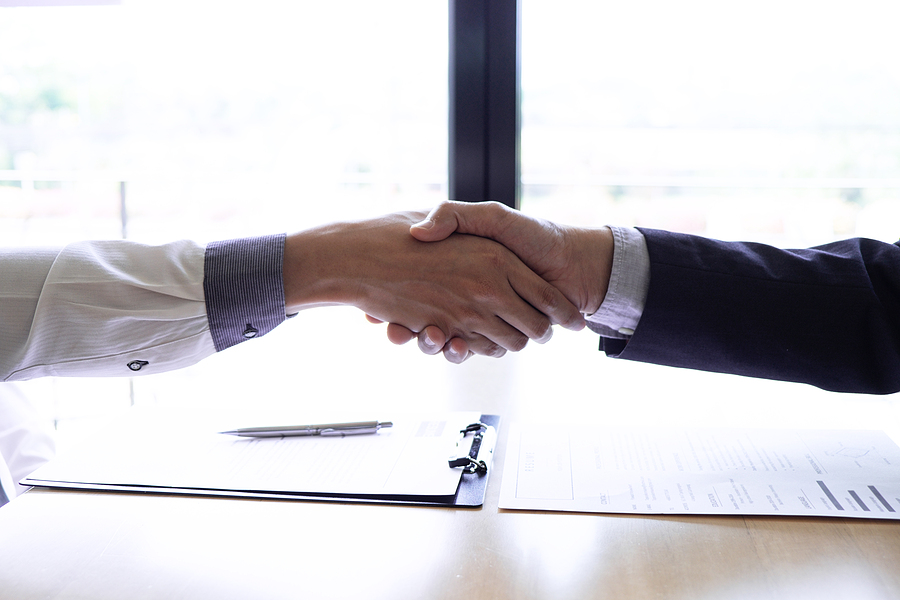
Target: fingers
(551, 307)
(457, 351)
(576, 261)
(497, 308)
(494, 341)
(437, 226)
(431, 340)
(398, 334)
(534, 243)
(466, 286)
(485, 219)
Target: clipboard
(472, 456)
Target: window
(774, 121)
(770, 121)
(164, 119)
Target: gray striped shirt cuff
(244, 288)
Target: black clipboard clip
(473, 453)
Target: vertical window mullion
(484, 116)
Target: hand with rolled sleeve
(469, 287)
(119, 308)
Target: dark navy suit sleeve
(827, 316)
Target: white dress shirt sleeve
(118, 308)
(629, 280)
(94, 308)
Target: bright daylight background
(770, 121)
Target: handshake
(464, 279)
(483, 279)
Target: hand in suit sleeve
(827, 316)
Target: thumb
(438, 225)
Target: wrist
(605, 263)
(627, 283)
(594, 253)
(312, 274)
(350, 263)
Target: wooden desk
(68, 545)
(78, 545)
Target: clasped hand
(471, 289)
(577, 261)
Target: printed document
(702, 471)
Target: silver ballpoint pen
(326, 429)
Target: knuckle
(549, 297)
(482, 293)
(495, 209)
(485, 347)
(442, 209)
(484, 287)
(469, 313)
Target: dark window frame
(485, 101)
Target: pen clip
(353, 428)
(341, 432)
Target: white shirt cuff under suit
(629, 281)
